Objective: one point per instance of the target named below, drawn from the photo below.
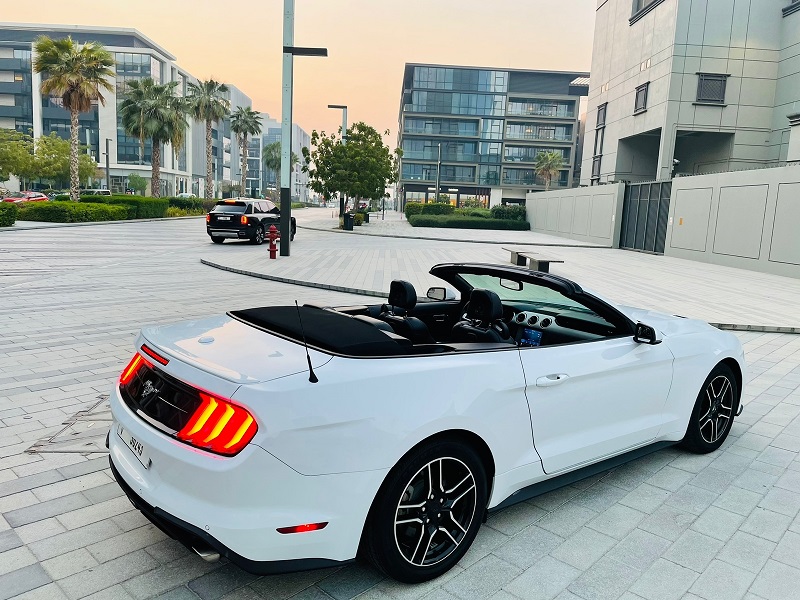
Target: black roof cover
(325, 329)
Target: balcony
(536, 137)
(14, 87)
(13, 64)
(11, 111)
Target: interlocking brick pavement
(668, 525)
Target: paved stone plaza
(670, 525)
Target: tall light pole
(343, 108)
(438, 172)
(289, 52)
(108, 169)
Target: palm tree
(158, 114)
(548, 165)
(245, 121)
(272, 160)
(77, 73)
(132, 112)
(207, 103)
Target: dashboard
(533, 328)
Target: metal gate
(645, 211)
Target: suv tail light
(243, 220)
(208, 217)
(219, 426)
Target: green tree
(208, 104)
(362, 168)
(137, 183)
(244, 122)
(16, 153)
(272, 161)
(77, 73)
(159, 115)
(547, 166)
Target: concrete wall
(589, 214)
(746, 219)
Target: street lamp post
(343, 108)
(438, 172)
(289, 52)
(108, 169)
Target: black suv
(243, 218)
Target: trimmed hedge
(459, 222)
(8, 214)
(483, 213)
(143, 208)
(514, 212)
(186, 203)
(71, 212)
(432, 208)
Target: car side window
(260, 207)
(249, 209)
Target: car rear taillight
(208, 218)
(129, 372)
(243, 220)
(219, 426)
(155, 356)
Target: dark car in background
(244, 219)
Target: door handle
(553, 379)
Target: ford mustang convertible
(301, 436)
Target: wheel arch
(469, 438)
(734, 366)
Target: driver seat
(403, 298)
(484, 320)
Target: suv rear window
(229, 207)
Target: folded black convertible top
(325, 330)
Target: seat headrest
(402, 294)
(484, 305)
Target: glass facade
(541, 108)
(455, 103)
(131, 67)
(486, 134)
(440, 126)
(529, 153)
(23, 92)
(447, 78)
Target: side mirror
(441, 293)
(646, 335)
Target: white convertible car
(296, 437)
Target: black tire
(713, 413)
(217, 240)
(453, 511)
(291, 237)
(258, 236)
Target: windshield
(512, 290)
(237, 208)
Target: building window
(641, 8)
(641, 99)
(601, 115)
(596, 167)
(711, 88)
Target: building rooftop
(81, 31)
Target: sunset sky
(368, 41)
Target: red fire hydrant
(273, 236)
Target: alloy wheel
(717, 409)
(435, 512)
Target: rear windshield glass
(237, 208)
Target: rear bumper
(240, 234)
(198, 540)
(236, 505)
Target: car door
(591, 400)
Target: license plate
(138, 449)
(223, 218)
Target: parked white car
(289, 437)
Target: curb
(311, 284)
(358, 292)
(88, 223)
(437, 239)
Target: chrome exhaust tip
(207, 555)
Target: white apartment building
(686, 87)
(24, 108)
